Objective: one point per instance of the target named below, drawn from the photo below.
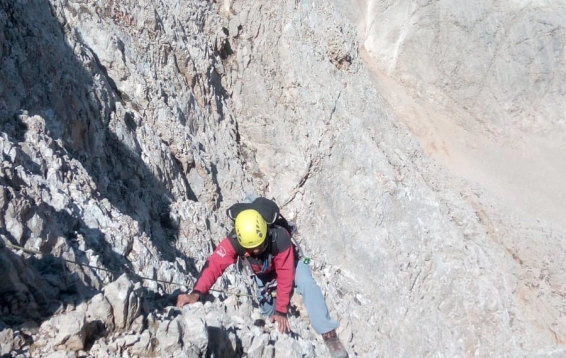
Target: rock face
(502, 62)
(127, 128)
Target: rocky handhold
(63, 354)
(169, 337)
(143, 347)
(287, 347)
(100, 310)
(6, 341)
(126, 300)
(258, 346)
(182, 335)
(21, 288)
(71, 333)
(235, 26)
(187, 332)
(195, 329)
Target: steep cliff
(129, 127)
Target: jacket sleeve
(224, 256)
(284, 264)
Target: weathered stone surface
(128, 127)
(143, 347)
(186, 335)
(6, 340)
(288, 347)
(101, 311)
(71, 333)
(126, 301)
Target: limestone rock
(126, 301)
(100, 311)
(417, 145)
(185, 335)
(6, 340)
(71, 333)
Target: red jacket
(280, 249)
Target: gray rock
(259, 347)
(71, 331)
(6, 340)
(289, 347)
(62, 354)
(143, 347)
(418, 146)
(100, 310)
(234, 26)
(126, 301)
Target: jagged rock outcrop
(128, 127)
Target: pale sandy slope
(482, 86)
(525, 170)
(422, 58)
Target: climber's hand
(283, 323)
(184, 299)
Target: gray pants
(312, 299)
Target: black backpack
(268, 209)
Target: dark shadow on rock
(78, 111)
(40, 286)
(52, 83)
(46, 285)
(221, 345)
(94, 330)
(158, 302)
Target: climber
(262, 239)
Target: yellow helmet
(251, 228)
